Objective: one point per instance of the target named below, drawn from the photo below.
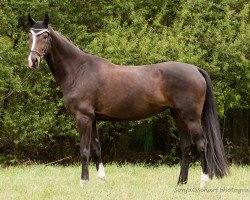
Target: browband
(40, 31)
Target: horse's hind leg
(96, 149)
(195, 129)
(186, 143)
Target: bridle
(34, 35)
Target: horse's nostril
(34, 60)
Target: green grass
(122, 182)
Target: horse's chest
(74, 102)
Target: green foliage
(144, 137)
(214, 35)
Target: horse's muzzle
(34, 60)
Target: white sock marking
(204, 179)
(101, 172)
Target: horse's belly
(130, 112)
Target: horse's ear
(46, 19)
(31, 20)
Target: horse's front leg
(84, 124)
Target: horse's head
(39, 40)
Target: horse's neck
(63, 59)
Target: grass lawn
(122, 182)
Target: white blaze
(32, 48)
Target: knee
(84, 154)
(186, 151)
(186, 145)
(200, 145)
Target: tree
(213, 35)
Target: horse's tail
(215, 154)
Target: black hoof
(182, 181)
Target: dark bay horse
(95, 89)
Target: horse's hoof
(102, 179)
(182, 182)
(82, 182)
